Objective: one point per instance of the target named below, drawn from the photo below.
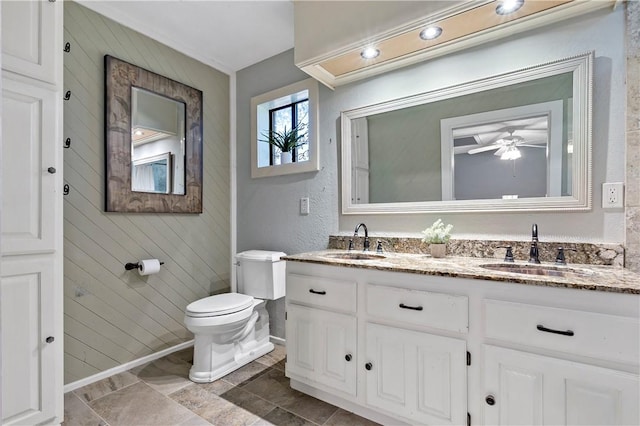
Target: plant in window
(288, 139)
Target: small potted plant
(437, 235)
(287, 140)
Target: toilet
(232, 329)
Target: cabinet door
(30, 41)
(29, 129)
(534, 390)
(27, 307)
(419, 376)
(321, 347)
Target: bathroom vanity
(405, 338)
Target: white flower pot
(285, 157)
(438, 250)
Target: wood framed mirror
(153, 142)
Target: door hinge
(285, 316)
(468, 419)
(468, 358)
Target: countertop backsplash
(586, 253)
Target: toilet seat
(220, 304)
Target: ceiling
(227, 35)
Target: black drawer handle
(322, 292)
(550, 330)
(413, 308)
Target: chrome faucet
(533, 253)
(366, 237)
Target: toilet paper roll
(149, 266)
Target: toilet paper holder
(129, 266)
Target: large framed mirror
(153, 133)
(514, 141)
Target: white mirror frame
(581, 195)
(260, 106)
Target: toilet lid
(220, 304)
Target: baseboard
(277, 340)
(127, 366)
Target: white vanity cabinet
(432, 350)
(531, 388)
(320, 317)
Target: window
(276, 113)
(284, 119)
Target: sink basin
(545, 270)
(355, 256)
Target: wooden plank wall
(112, 316)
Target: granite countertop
(586, 277)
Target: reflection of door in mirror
(360, 161)
(504, 154)
(158, 143)
(152, 174)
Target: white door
(527, 389)
(29, 340)
(421, 377)
(30, 43)
(28, 153)
(321, 347)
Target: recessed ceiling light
(430, 33)
(138, 133)
(508, 6)
(370, 53)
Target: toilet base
(234, 345)
(233, 364)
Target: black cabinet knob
(368, 366)
(347, 357)
(490, 400)
(49, 339)
(51, 170)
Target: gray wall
(112, 316)
(268, 209)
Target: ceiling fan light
(508, 6)
(430, 33)
(512, 153)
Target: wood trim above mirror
(120, 77)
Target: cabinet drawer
(590, 334)
(322, 292)
(437, 310)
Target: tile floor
(160, 393)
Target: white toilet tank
(261, 274)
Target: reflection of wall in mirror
(171, 144)
(404, 145)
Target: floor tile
(106, 386)
(78, 413)
(248, 401)
(213, 408)
(280, 417)
(275, 357)
(342, 417)
(197, 396)
(166, 375)
(310, 408)
(139, 405)
(246, 373)
(274, 387)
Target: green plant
(438, 233)
(288, 139)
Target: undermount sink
(545, 270)
(355, 256)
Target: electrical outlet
(304, 205)
(612, 195)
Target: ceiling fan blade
(483, 149)
(533, 146)
(501, 151)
